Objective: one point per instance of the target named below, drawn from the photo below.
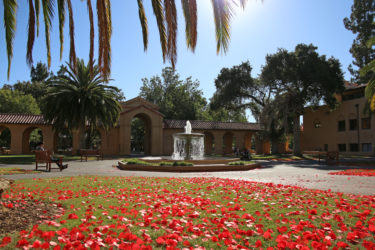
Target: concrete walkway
(307, 174)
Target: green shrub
(166, 163)
(134, 161)
(182, 163)
(240, 163)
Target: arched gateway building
(220, 137)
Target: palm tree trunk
(296, 136)
(82, 138)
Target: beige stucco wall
(117, 140)
(315, 138)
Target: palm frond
(370, 42)
(61, 11)
(158, 12)
(109, 16)
(10, 8)
(37, 12)
(143, 20)
(243, 3)
(92, 34)
(30, 34)
(189, 8)
(104, 37)
(171, 21)
(222, 14)
(48, 7)
(370, 93)
(72, 51)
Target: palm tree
(79, 98)
(164, 11)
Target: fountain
(188, 145)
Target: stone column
(218, 142)
(15, 140)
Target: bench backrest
(89, 151)
(42, 156)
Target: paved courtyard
(308, 174)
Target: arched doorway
(140, 135)
(93, 139)
(228, 143)
(5, 138)
(63, 142)
(31, 137)
(209, 143)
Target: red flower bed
(358, 172)
(192, 213)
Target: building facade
(220, 137)
(349, 129)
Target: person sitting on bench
(53, 159)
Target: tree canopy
(14, 101)
(182, 99)
(79, 98)
(361, 23)
(302, 77)
(288, 83)
(177, 99)
(166, 18)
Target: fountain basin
(202, 166)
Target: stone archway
(142, 144)
(5, 138)
(153, 120)
(29, 144)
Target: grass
(10, 171)
(30, 159)
(193, 212)
(272, 157)
(136, 161)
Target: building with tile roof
(220, 137)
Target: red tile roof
(202, 125)
(21, 119)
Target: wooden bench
(44, 157)
(330, 155)
(4, 151)
(91, 152)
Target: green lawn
(131, 212)
(29, 159)
(9, 171)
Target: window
(342, 147)
(366, 123)
(366, 147)
(353, 147)
(341, 125)
(353, 124)
(353, 96)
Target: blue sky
(261, 29)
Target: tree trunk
(82, 144)
(275, 146)
(296, 136)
